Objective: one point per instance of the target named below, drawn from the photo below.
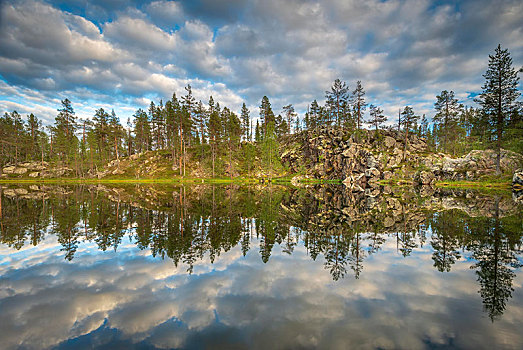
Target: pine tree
(215, 131)
(297, 125)
(280, 126)
(102, 133)
(233, 132)
(200, 121)
(173, 111)
(186, 124)
(376, 117)
(33, 125)
(64, 131)
(424, 126)
(358, 104)
(409, 119)
(447, 108)
(257, 134)
(337, 98)
(266, 115)
(290, 115)
(499, 95)
(116, 133)
(245, 118)
(142, 130)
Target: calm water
(229, 267)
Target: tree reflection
(340, 228)
(494, 246)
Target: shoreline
(252, 180)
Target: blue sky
(121, 54)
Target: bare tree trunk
(499, 132)
(213, 156)
(181, 148)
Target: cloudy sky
(122, 53)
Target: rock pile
(362, 159)
(35, 170)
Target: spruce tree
(499, 95)
(245, 119)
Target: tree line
(209, 131)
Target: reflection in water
(343, 231)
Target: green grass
(474, 184)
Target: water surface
(232, 267)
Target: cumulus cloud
(404, 51)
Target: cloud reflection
(129, 298)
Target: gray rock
(20, 171)
(389, 142)
(371, 161)
(9, 169)
(424, 177)
(517, 178)
(35, 166)
(387, 175)
(372, 173)
(21, 191)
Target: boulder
(517, 196)
(388, 222)
(9, 169)
(20, 191)
(20, 171)
(372, 173)
(35, 166)
(517, 178)
(389, 142)
(34, 174)
(424, 177)
(372, 162)
(9, 192)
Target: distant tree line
(207, 130)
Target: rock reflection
(340, 227)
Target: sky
(121, 54)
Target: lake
(259, 267)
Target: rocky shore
(363, 159)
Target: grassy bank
(500, 184)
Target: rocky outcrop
(36, 170)
(333, 153)
(473, 165)
(360, 159)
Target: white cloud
(404, 51)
